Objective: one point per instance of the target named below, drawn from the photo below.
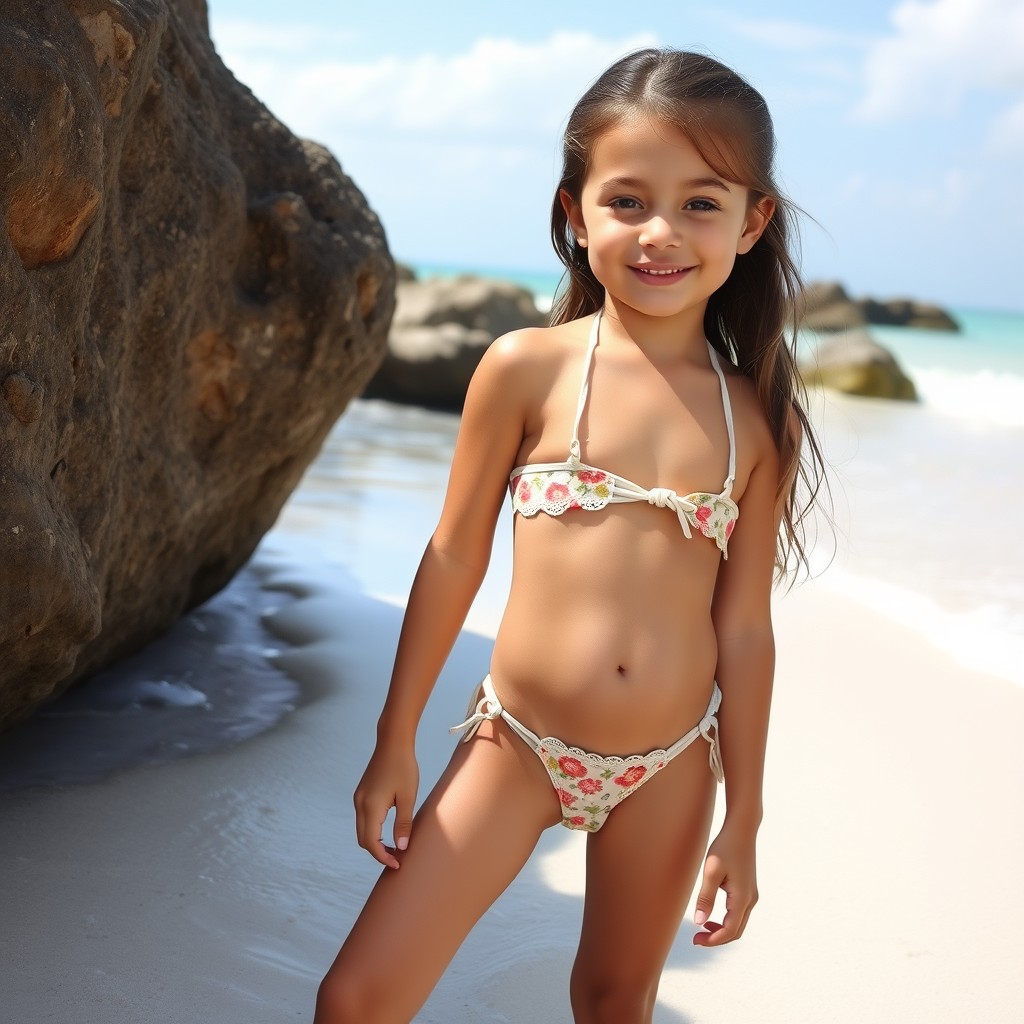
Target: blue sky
(900, 124)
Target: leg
(469, 840)
(641, 869)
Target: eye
(702, 206)
(624, 203)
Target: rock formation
(189, 295)
(827, 307)
(853, 362)
(441, 329)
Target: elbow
(471, 559)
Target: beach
(213, 876)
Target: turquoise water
(977, 371)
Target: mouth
(652, 274)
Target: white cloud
(498, 86)
(941, 52)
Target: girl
(651, 439)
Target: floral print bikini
(589, 785)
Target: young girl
(651, 440)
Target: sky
(900, 124)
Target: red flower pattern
(591, 476)
(568, 800)
(591, 786)
(631, 776)
(729, 528)
(524, 490)
(578, 820)
(703, 514)
(556, 492)
(572, 766)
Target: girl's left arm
(741, 611)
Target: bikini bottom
(588, 785)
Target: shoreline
(219, 886)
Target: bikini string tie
(487, 710)
(665, 497)
(707, 723)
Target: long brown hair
(747, 318)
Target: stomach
(607, 641)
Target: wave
(982, 396)
(988, 638)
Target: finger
(709, 886)
(733, 924)
(369, 835)
(403, 820)
(703, 938)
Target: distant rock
(441, 328)
(826, 307)
(907, 313)
(854, 363)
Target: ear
(757, 220)
(574, 215)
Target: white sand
(218, 888)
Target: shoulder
(528, 359)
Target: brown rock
(441, 329)
(854, 363)
(825, 306)
(907, 313)
(189, 296)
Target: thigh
(641, 869)
(469, 840)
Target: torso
(607, 640)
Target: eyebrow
(626, 182)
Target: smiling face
(661, 228)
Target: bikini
(589, 785)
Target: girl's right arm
(449, 575)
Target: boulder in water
(854, 363)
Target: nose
(659, 231)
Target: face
(661, 228)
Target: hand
(390, 780)
(729, 865)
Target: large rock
(189, 296)
(442, 327)
(907, 313)
(853, 362)
(825, 306)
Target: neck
(663, 339)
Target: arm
(449, 575)
(741, 611)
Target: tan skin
(616, 625)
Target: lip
(653, 274)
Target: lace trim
(558, 491)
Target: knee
(610, 1000)
(342, 999)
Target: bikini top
(557, 487)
